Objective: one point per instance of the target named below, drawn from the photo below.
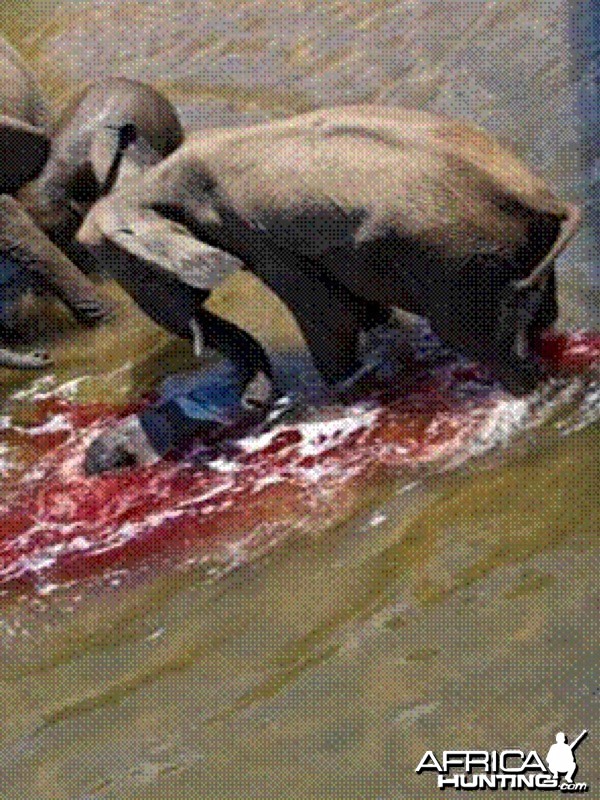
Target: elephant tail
(570, 224)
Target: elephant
(23, 119)
(88, 128)
(346, 214)
(46, 190)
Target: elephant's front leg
(217, 407)
(332, 319)
(13, 283)
(26, 244)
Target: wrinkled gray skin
(345, 214)
(22, 109)
(23, 120)
(52, 183)
(68, 186)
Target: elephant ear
(24, 149)
(119, 155)
(145, 234)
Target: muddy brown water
(455, 611)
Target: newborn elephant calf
(345, 214)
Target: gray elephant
(345, 214)
(91, 128)
(46, 184)
(23, 120)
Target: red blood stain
(570, 351)
(57, 523)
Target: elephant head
(85, 141)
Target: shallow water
(455, 612)
(401, 582)
(221, 507)
(377, 582)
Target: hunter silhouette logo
(507, 769)
(560, 757)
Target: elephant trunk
(45, 200)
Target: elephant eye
(128, 231)
(177, 228)
(171, 212)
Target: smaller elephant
(346, 214)
(46, 191)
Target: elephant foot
(92, 312)
(214, 410)
(520, 376)
(392, 354)
(38, 359)
(387, 353)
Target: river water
(305, 623)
